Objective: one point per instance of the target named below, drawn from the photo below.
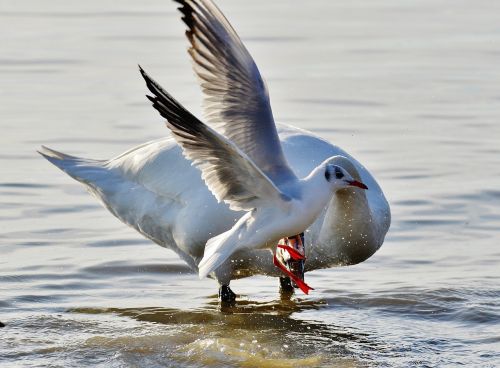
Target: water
(410, 89)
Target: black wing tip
(187, 11)
(176, 115)
(168, 107)
(145, 75)
(141, 69)
(153, 87)
(158, 95)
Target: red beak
(358, 184)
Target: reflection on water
(410, 89)
(243, 314)
(255, 334)
(347, 329)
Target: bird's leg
(286, 287)
(226, 294)
(290, 258)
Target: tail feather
(217, 250)
(81, 169)
(51, 154)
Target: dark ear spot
(327, 174)
(338, 173)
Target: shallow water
(410, 89)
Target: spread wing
(235, 96)
(228, 172)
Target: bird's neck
(345, 234)
(316, 192)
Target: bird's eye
(327, 174)
(338, 173)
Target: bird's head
(339, 178)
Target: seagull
(222, 194)
(274, 209)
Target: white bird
(276, 208)
(244, 162)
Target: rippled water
(410, 88)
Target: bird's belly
(268, 231)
